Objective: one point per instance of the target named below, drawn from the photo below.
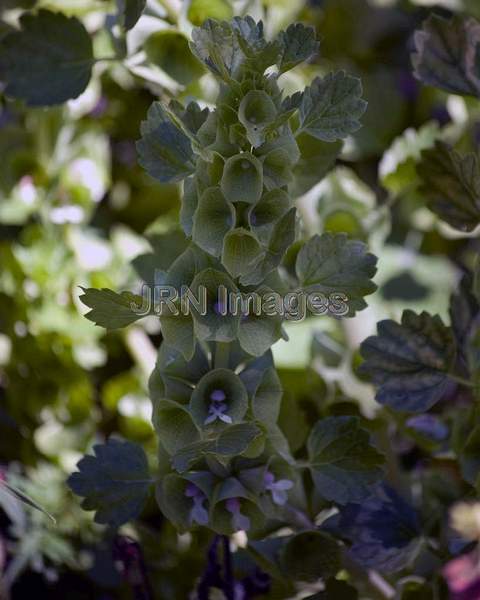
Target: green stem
(222, 355)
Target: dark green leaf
(311, 555)
(316, 159)
(409, 362)
(48, 61)
(115, 482)
(335, 590)
(343, 464)
(299, 43)
(132, 12)
(331, 107)
(451, 183)
(333, 264)
(445, 54)
(165, 152)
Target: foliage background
(73, 207)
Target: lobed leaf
(331, 107)
(451, 183)
(299, 44)
(109, 309)
(445, 54)
(334, 264)
(48, 60)
(164, 150)
(115, 482)
(410, 361)
(343, 464)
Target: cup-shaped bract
(213, 219)
(256, 111)
(267, 212)
(233, 509)
(219, 398)
(242, 179)
(216, 322)
(241, 251)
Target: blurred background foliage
(75, 208)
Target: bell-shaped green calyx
(213, 219)
(233, 508)
(277, 169)
(219, 398)
(241, 251)
(173, 425)
(267, 212)
(185, 499)
(216, 322)
(256, 111)
(242, 179)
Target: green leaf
(310, 555)
(259, 54)
(132, 11)
(115, 482)
(213, 219)
(409, 362)
(111, 310)
(343, 464)
(241, 251)
(165, 152)
(299, 43)
(451, 183)
(445, 54)
(333, 264)
(331, 107)
(48, 61)
(242, 179)
(169, 50)
(192, 116)
(215, 44)
(200, 10)
(316, 159)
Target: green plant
(223, 461)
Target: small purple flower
(217, 408)
(198, 513)
(430, 426)
(278, 489)
(240, 522)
